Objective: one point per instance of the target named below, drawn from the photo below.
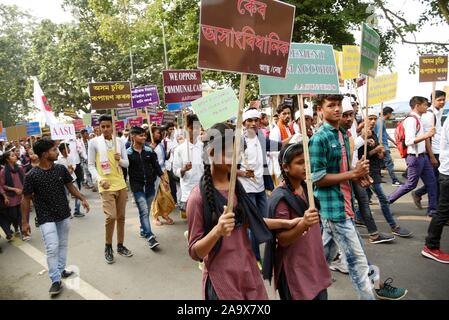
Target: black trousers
(210, 291)
(284, 291)
(172, 180)
(441, 217)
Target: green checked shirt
(325, 158)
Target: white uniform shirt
(253, 160)
(358, 143)
(77, 151)
(428, 121)
(171, 145)
(192, 177)
(410, 127)
(66, 162)
(273, 162)
(444, 149)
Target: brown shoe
(417, 200)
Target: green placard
(370, 49)
(311, 70)
(216, 107)
(87, 119)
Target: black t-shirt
(47, 189)
(375, 164)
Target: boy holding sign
(105, 163)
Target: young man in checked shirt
(333, 178)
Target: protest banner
(95, 118)
(152, 110)
(135, 122)
(178, 106)
(433, 68)
(146, 96)
(157, 118)
(62, 131)
(46, 131)
(370, 50)
(350, 62)
(216, 107)
(311, 70)
(123, 114)
(110, 95)
(16, 133)
(246, 36)
(339, 63)
(87, 119)
(168, 117)
(382, 89)
(120, 126)
(70, 112)
(182, 85)
(79, 125)
(446, 89)
(33, 129)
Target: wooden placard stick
(366, 121)
(381, 124)
(434, 86)
(149, 125)
(187, 137)
(305, 140)
(237, 142)
(114, 130)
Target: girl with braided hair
(300, 268)
(219, 238)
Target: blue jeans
(384, 205)
(390, 166)
(143, 201)
(418, 167)
(77, 201)
(260, 201)
(343, 235)
(56, 238)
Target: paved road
(169, 273)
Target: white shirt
(192, 177)
(428, 121)
(65, 162)
(160, 156)
(444, 149)
(358, 143)
(275, 135)
(253, 160)
(411, 134)
(77, 151)
(171, 145)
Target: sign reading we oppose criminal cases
(246, 36)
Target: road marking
(84, 289)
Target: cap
(346, 104)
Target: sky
(405, 54)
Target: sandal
(156, 222)
(168, 220)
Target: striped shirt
(325, 158)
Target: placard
(16, 133)
(143, 97)
(70, 112)
(135, 122)
(370, 50)
(157, 118)
(62, 131)
(182, 85)
(311, 70)
(79, 125)
(246, 36)
(350, 62)
(432, 68)
(33, 129)
(382, 89)
(87, 119)
(95, 122)
(216, 107)
(110, 95)
(120, 126)
(123, 114)
(168, 117)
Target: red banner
(135, 122)
(157, 118)
(120, 126)
(79, 124)
(182, 85)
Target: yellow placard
(446, 89)
(382, 89)
(350, 62)
(339, 62)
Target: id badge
(106, 167)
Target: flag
(41, 103)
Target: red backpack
(399, 135)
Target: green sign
(370, 49)
(87, 119)
(216, 107)
(311, 69)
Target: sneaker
(9, 237)
(388, 292)
(78, 215)
(17, 234)
(417, 200)
(152, 242)
(431, 213)
(142, 234)
(109, 255)
(337, 265)
(381, 238)
(123, 251)
(401, 232)
(435, 254)
(55, 288)
(26, 238)
(186, 235)
(396, 184)
(67, 274)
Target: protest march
(293, 175)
